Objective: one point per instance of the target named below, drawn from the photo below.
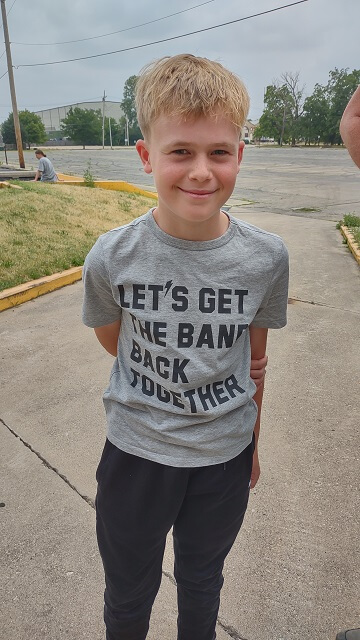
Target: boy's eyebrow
(186, 143)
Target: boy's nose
(200, 170)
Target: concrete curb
(22, 293)
(351, 243)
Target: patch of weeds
(306, 209)
(351, 220)
(18, 243)
(126, 206)
(34, 274)
(77, 261)
(6, 284)
(88, 176)
(7, 264)
(352, 223)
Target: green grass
(49, 228)
(352, 222)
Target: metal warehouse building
(51, 118)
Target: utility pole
(12, 87)
(110, 133)
(127, 141)
(103, 119)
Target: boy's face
(195, 164)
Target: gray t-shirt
(47, 170)
(180, 391)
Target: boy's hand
(258, 370)
(255, 474)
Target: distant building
(51, 118)
(248, 129)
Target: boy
(195, 291)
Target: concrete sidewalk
(293, 573)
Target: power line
(4, 74)
(148, 44)
(143, 24)
(11, 7)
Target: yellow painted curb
(8, 185)
(112, 185)
(22, 293)
(351, 243)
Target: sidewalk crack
(47, 464)
(321, 304)
(231, 631)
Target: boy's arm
(108, 336)
(350, 127)
(258, 339)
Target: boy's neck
(209, 229)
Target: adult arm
(108, 336)
(258, 339)
(350, 127)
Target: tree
(340, 87)
(273, 122)
(294, 95)
(83, 126)
(32, 129)
(313, 123)
(323, 109)
(129, 109)
(128, 102)
(282, 113)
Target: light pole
(103, 121)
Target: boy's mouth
(198, 193)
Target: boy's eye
(219, 152)
(180, 152)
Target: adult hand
(258, 370)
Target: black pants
(137, 503)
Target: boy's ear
(240, 153)
(143, 151)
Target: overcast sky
(312, 38)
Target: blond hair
(188, 87)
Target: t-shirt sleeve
(99, 306)
(272, 313)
